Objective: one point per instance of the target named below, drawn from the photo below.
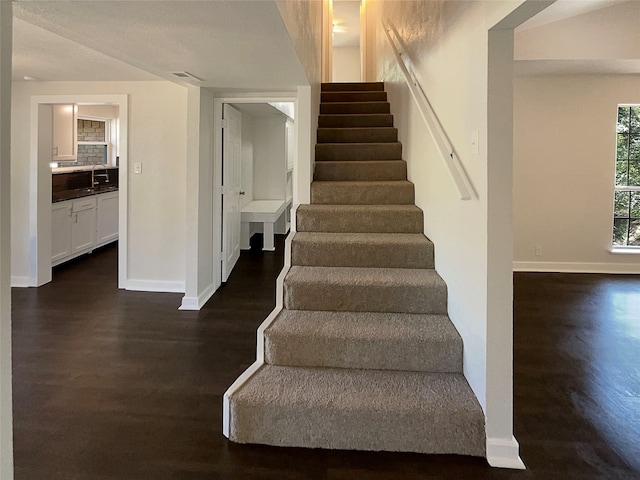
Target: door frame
(218, 103)
(40, 270)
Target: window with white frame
(626, 221)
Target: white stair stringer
(255, 366)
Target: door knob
(241, 193)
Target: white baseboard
(20, 282)
(154, 286)
(196, 303)
(577, 267)
(504, 453)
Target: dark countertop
(80, 193)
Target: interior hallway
(113, 384)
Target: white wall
(303, 19)
(346, 64)
(269, 158)
(103, 111)
(452, 68)
(564, 167)
(202, 262)
(448, 47)
(6, 418)
(156, 199)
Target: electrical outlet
(137, 168)
(538, 251)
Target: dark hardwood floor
(111, 384)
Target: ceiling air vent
(186, 76)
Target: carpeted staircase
(363, 355)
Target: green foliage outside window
(626, 224)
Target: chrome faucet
(95, 183)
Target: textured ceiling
(234, 44)
(43, 55)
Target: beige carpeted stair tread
(358, 151)
(356, 120)
(361, 170)
(384, 250)
(394, 192)
(352, 86)
(359, 218)
(357, 135)
(348, 289)
(358, 409)
(364, 340)
(358, 96)
(354, 107)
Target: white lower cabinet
(79, 226)
(107, 218)
(83, 226)
(61, 221)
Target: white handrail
(456, 169)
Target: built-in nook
(267, 148)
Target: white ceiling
(37, 54)
(259, 110)
(561, 9)
(231, 45)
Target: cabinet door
(83, 230)
(107, 218)
(65, 128)
(60, 231)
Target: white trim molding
(154, 286)
(196, 303)
(504, 453)
(253, 369)
(20, 282)
(577, 267)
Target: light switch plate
(137, 168)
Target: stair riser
(332, 428)
(360, 222)
(358, 151)
(353, 108)
(350, 194)
(334, 254)
(362, 170)
(342, 297)
(359, 415)
(355, 121)
(438, 357)
(353, 97)
(357, 135)
(352, 87)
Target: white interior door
(231, 184)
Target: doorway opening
(78, 203)
(258, 145)
(346, 41)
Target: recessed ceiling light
(28, 78)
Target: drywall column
(499, 402)
(202, 265)
(304, 167)
(6, 418)
(502, 447)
